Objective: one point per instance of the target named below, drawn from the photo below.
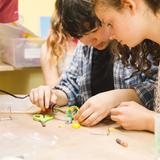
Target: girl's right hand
(43, 96)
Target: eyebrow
(92, 31)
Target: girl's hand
(132, 116)
(94, 110)
(42, 97)
(99, 106)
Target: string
(13, 95)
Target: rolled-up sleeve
(144, 86)
(146, 92)
(69, 82)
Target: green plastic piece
(42, 118)
(71, 111)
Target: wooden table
(24, 138)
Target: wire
(13, 95)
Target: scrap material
(122, 143)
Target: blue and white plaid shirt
(76, 80)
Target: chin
(132, 44)
(102, 47)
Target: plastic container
(22, 52)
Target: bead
(75, 124)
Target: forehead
(107, 13)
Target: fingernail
(46, 107)
(43, 109)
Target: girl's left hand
(132, 116)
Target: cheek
(122, 29)
(127, 27)
(104, 36)
(84, 40)
(106, 31)
(128, 33)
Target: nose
(112, 35)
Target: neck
(153, 29)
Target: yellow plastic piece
(27, 35)
(75, 124)
(14, 24)
(111, 129)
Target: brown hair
(140, 57)
(71, 18)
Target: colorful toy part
(28, 35)
(71, 111)
(75, 124)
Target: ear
(131, 5)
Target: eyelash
(109, 25)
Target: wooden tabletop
(24, 138)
